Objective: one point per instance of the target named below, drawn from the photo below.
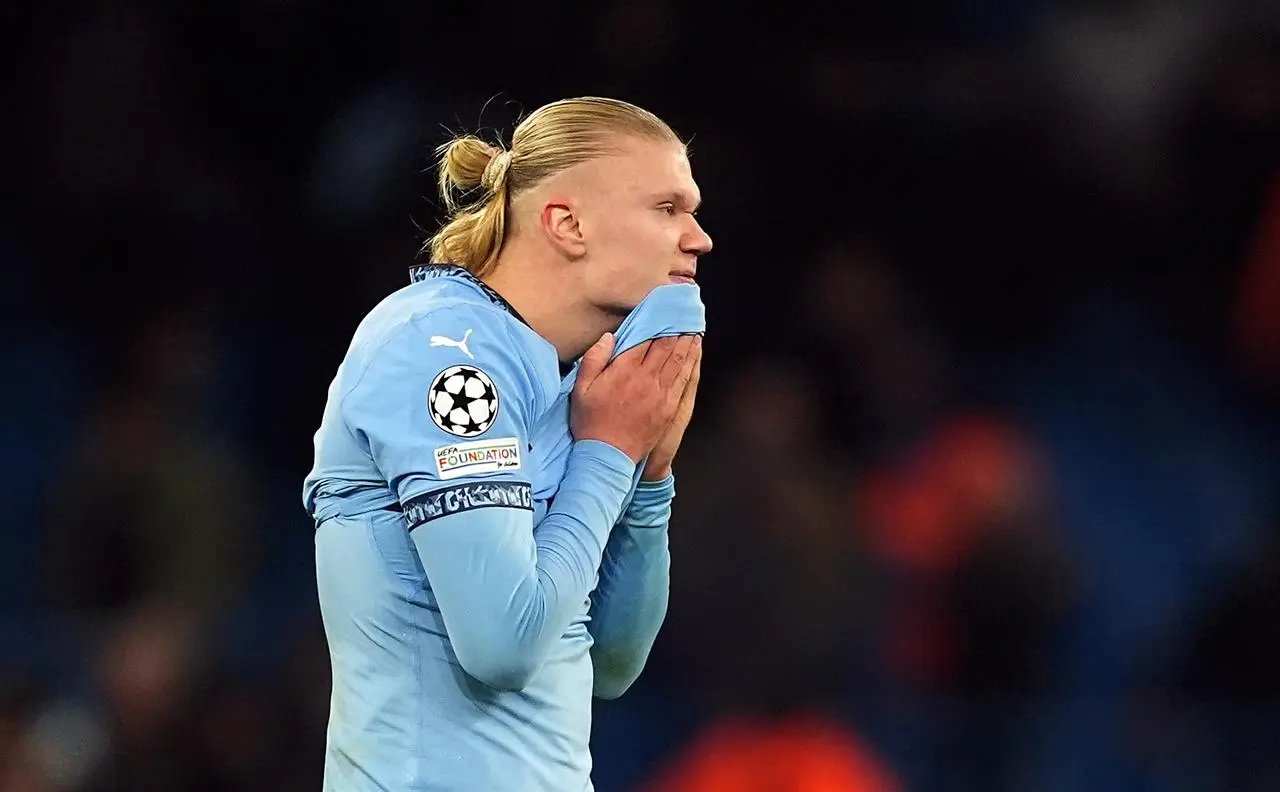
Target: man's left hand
(658, 465)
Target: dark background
(981, 493)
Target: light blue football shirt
(480, 574)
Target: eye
(670, 209)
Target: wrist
(661, 485)
(656, 472)
(650, 507)
(604, 452)
(601, 442)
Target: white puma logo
(441, 341)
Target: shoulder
(431, 343)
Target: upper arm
(447, 424)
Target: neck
(545, 292)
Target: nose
(697, 241)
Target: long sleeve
(630, 600)
(447, 423)
(506, 592)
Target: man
(482, 569)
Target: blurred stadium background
(982, 493)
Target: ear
(563, 228)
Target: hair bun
(495, 173)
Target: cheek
(633, 257)
(632, 251)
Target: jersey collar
(421, 272)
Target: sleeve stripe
(466, 497)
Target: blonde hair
(553, 138)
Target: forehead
(643, 168)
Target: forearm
(630, 600)
(507, 592)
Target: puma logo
(442, 341)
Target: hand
(630, 402)
(658, 466)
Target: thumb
(594, 361)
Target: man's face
(638, 224)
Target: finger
(695, 376)
(636, 355)
(681, 401)
(683, 404)
(674, 367)
(594, 362)
(659, 351)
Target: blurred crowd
(981, 492)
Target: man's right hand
(631, 402)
